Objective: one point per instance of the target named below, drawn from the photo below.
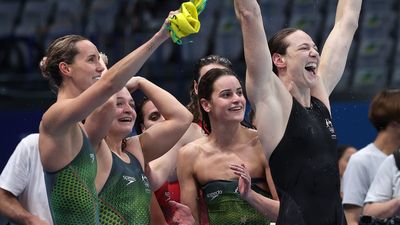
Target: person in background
(384, 114)
(23, 198)
(147, 116)
(343, 154)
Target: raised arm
(267, 95)
(161, 137)
(187, 182)
(335, 51)
(77, 109)
(164, 168)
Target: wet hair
(139, 114)
(193, 105)
(206, 88)
(62, 49)
(341, 150)
(385, 108)
(278, 44)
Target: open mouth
(96, 78)
(125, 119)
(311, 67)
(236, 108)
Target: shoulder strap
(396, 155)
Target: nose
(128, 109)
(314, 52)
(100, 68)
(236, 98)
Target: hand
(133, 83)
(182, 214)
(244, 179)
(164, 31)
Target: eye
(154, 116)
(225, 94)
(239, 92)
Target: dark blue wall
(350, 121)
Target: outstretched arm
(268, 207)
(335, 51)
(161, 137)
(267, 94)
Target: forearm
(166, 103)
(383, 209)
(268, 207)
(12, 209)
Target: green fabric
(71, 191)
(125, 198)
(225, 207)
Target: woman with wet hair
(208, 162)
(72, 65)
(288, 85)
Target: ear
(279, 60)
(205, 105)
(196, 87)
(64, 68)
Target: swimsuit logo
(146, 183)
(129, 179)
(329, 125)
(92, 156)
(243, 220)
(214, 194)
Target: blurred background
(117, 27)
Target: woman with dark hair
(201, 67)
(124, 189)
(164, 168)
(205, 163)
(288, 85)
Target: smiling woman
(72, 65)
(289, 85)
(204, 164)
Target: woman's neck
(225, 134)
(114, 144)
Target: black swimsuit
(305, 169)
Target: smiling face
(86, 68)
(227, 100)
(151, 115)
(301, 60)
(125, 114)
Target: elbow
(250, 14)
(188, 117)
